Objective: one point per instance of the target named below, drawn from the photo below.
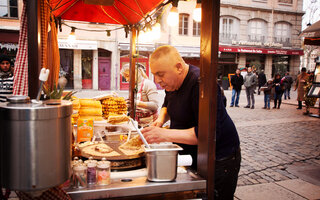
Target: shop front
(271, 60)
(9, 43)
(84, 66)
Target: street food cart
(203, 179)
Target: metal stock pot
(35, 143)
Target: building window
(257, 30)
(285, 1)
(9, 8)
(229, 29)
(196, 28)
(183, 24)
(282, 33)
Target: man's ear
(179, 67)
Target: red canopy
(124, 12)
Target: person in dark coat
(236, 82)
(262, 80)
(287, 80)
(279, 88)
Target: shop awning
(312, 34)
(120, 12)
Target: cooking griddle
(122, 161)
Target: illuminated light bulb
(156, 31)
(197, 13)
(72, 36)
(173, 17)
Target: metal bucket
(35, 144)
(162, 162)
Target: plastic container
(80, 176)
(92, 173)
(103, 173)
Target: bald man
(181, 107)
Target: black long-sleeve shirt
(183, 108)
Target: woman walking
(300, 83)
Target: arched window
(229, 29)
(183, 23)
(282, 33)
(258, 30)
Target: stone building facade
(258, 33)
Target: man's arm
(156, 135)
(163, 117)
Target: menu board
(314, 91)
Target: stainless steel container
(162, 162)
(35, 143)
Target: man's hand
(155, 134)
(157, 123)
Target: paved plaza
(280, 150)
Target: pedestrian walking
(236, 82)
(279, 88)
(300, 83)
(250, 82)
(287, 80)
(266, 88)
(262, 80)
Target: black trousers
(226, 176)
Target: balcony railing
(227, 38)
(256, 38)
(282, 40)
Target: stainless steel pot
(162, 162)
(35, 143)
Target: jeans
(287, 93)
(250, 95)
(235, 94)
(267, 100)
(277, 98)
(226, 177)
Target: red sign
(260, 50)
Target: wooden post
(34, 46)
(209, 47)
(132, 88)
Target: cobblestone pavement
(272, 140)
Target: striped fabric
(20, 84)
(6, 88)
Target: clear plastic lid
(104, 164)
(92, 164)
(79, 167)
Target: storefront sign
(78, 44)
(265, 44)
(260, 50)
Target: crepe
(132, 147)
(100, 150)
(116, 119)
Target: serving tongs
(140, 134)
